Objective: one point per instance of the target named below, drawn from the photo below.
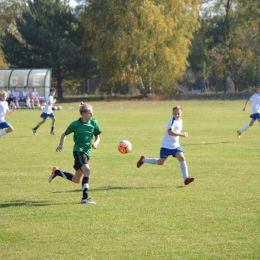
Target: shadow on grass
(205, 143)
(108, 188)
(19, 203)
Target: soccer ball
(59, 107)
(54, 108)
(124, 147)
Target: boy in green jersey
(84, 129)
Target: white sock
(244, 128)
(2, 133)
(150, 160)
(184, 169)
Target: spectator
(35, 98)
(9, 97)
(201, 87)
(26, 97)
(16, 97)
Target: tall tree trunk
(59, 84)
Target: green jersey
(83, 134)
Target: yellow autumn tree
(140, 42)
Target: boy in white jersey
(255, 98)
(35, 97)
(171, 146)
(4, 110)
(9, 98)
(26, 97)
(47, 112)
(16, 97)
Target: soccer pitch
(141, 214)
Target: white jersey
(170, 141)
(34, 94)
(16, 94)
(25, 93)
(255, 98)
(8, 93)
(48, 106)
(3, 109)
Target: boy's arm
(173, 133)
(244, 109)
(96, 142)
(62, 139)
(11, 110)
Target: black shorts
(80, 158)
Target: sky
(73, 3)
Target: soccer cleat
(238, 134)
(188, 181)
(140, 162)
(34, 131)
(88, 201)
(52, 133)
(53, 175)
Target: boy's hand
(59, 148)
(185, 134)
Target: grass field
(141, 214)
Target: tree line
(131, 47)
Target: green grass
(144, 213)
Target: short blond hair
(177, 108)
(3, 93)
(83, 108)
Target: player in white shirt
(255, 99)
(171, 146)
(16, 97)
(9, 97)
(8, 92)
(47, 112)
(4, 109)
(26, 97)
(35, 97)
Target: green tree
(249, 13)
(229, 32)
(9, 10)
(140, 41)
(49, 36)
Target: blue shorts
(44, 115)
(4, 125)
(165, 152)
(255, 116)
